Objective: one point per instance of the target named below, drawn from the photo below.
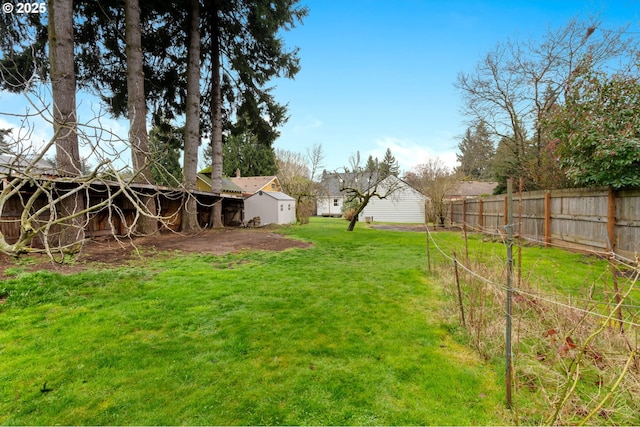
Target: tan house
(250, 185)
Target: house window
(281, 208)
(289, 205)
(335, 202)
(273, 185)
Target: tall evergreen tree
(63, 86)
(65, 122)
(389, 164)
(165, 143)
(476, 150)
(4, 144)
(216, 111)
(137, 109)
(23, 53)
(189, 222)
(250, 61)
(246, 154)
(242, 50)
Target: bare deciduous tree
(361, 183)
(436, 181)
(34, 198)
(295, 177)
(517, 83)
(39, 205)
(315, 157)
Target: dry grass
(573, 363)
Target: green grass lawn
(344, 333)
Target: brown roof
(253, 184)
(474, 188)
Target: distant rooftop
(10, 164)
(474, 188)
(252, 184)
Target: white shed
(406, 204)
(273, 207)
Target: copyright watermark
(20, 8)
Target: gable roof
(253, 184)
(331, 182)
(227, 185)
(278, 195)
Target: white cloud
(26, 132)
(96, 128)
(307, 124)
(410, 154)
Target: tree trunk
(65, 123)
(192, 122)
(63, 86)
(216, 120)
(363, 204)
(136, 104)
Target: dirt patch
(113, 252)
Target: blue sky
(381, 73)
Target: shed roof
(227, 185)
(278, 195)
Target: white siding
(272, 208)
(286, 211)
(406, 205)
(330, 205)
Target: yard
(344, 331)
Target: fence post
(461, 306)
(611, 219)
(451, 213)
(509, 226)
(547, 219)
(611, 243)
(520, 233)
(428, 249)
(505, 208)
(464, 214)
(480, 213)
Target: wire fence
(575, 338)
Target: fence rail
(600, 219)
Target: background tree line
(558, 112)
(196, 69)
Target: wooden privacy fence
(596, 219)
